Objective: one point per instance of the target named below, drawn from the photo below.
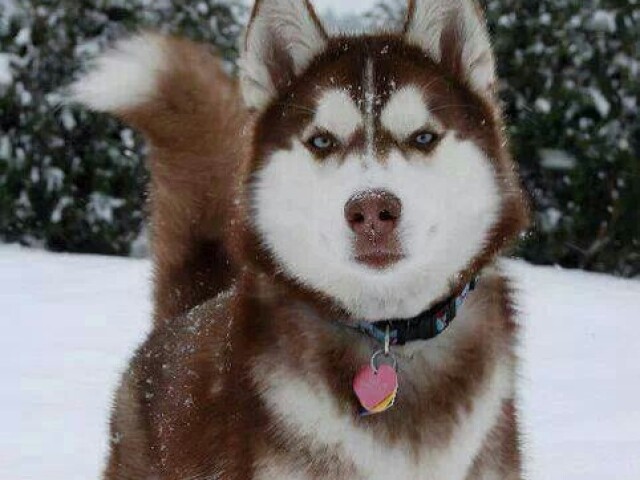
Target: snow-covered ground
(69, 323)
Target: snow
(549, 219)
(72, 321)
(24, 37)
(54, 178)
(70, 324)
(9, 7)
(553, 159)
(580, 384)
(101, 206)
(543, 105)
(340, 6)
(68, 120)
(6, 75)
(5, 147)
(603, 21)
(88, 49)
(64, 202)
(600, 101)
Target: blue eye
(322, 142)
(424, 139)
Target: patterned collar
(429, 324)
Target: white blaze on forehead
(369, 101)
(406, 112)
(338, 114)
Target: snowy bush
(571, 76)
(70, 180)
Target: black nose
(373, 213)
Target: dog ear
(454, 33)
(282, 38)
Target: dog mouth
(379, 260)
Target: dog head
(379, 175)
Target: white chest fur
(308, 410)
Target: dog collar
(429, 324)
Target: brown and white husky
(340, 201)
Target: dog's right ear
(282, 38)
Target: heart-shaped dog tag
(376, 388)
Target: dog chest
(308, 412)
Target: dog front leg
(500, 457)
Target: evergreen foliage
(74, 181)
(571, 76)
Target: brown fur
(191, 407)
(192, 404)
(193, 125)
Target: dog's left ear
(282, 38)
(454, 33)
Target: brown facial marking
(357, 144)
(344, 66)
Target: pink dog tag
(376, 389)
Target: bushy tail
(176, 93)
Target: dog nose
(373, 213)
